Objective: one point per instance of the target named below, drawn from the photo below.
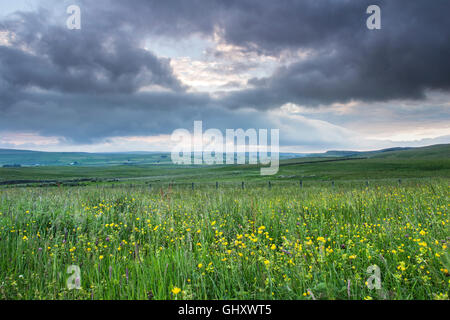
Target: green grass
(148, 234)
(433, 161)
(359, 169)
(256, 243)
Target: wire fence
(236, 184)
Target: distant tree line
(15, 165)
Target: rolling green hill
(432, 161)
(439, 151)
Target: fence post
(217, 185)
(242, 185)
(367, 183)
(270, 185)
(192, 186)
(399, 181)
(301, 184)
(332, 183)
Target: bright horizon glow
(162, 143)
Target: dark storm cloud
(84, 84)
(348, 61)
(408, 56)
(53, 57)
(85, 118)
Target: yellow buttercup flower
(176, 290)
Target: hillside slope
(439, 151)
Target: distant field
(339, 170)
(419, 163)
(25, 158)
(36, 158)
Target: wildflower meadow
(283, 242)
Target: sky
(137, 70)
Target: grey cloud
(408, 56)
(82, 119)
(65, 60)
(84, 85)
(403, 60)
(87, 118)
